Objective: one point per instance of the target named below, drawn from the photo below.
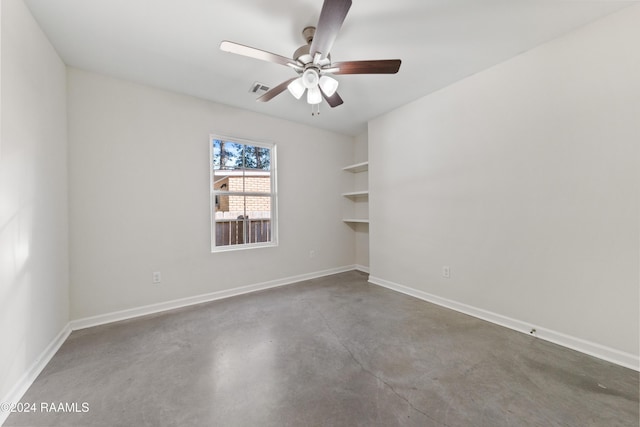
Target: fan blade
(331, 18)
(273, 92)
(382, 66)
(252, 52)
(333, 100)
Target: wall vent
(258, 87)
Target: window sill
(242, 247)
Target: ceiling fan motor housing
(302, 54)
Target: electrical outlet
(157, 277)
(446, 272)
(312, 254)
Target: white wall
(524, 179)
(33, 195)
(139, 196)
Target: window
(243, 194)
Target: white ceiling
(173, 44)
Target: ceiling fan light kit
(296, 88)
(313, 83)
(310, 78)
(312, 61)
(314, 96)
(329, 85)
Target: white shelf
(364, 194)
(358, 167)
(355, 194)
(355, 220)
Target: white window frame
(274, 194)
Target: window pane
(215, 154)
(236, 155)
(220, 154)
(248, 220)
(227, 155)
(229, 232)
(229, 206)
(257, 161)
(258, 207)
(257, 158)
(257, 181)
(258, 230)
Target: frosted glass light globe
(310, 78)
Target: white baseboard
(593, 349)
(362, 268)
(116, 316)
(23, 384)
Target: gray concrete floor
(334, 351)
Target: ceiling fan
(312, 61)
